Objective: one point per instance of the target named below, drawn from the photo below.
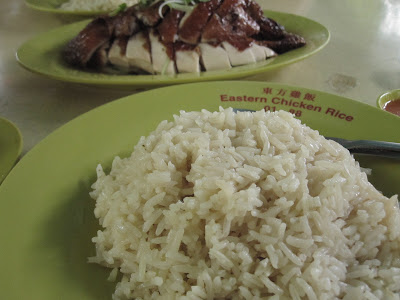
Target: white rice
(225, 205)
(95, 5)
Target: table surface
(361, 61)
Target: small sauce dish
(390, 102)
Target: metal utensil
(379, 148)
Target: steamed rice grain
(225, 205)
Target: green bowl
(386, 97)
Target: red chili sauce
(393, 106)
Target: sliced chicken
(289, 42)
(80, 50)
(126, 24)
(187, 58)
(99, 59)
(214, 57)
(158, 39)
(269, 29)
(260, 52)
(149, 16)
(117, 53)
(162, 63)
(138, 52)
(269, 52)
(219, 30)
(237, 57)
(235, 13)
(168, 28)
(193, 22)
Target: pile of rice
(225, 205)
(95, 5)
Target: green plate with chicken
(156, 46)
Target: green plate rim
(14, 150)
(52, 8)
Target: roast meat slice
(261, 52)
(149, 16)
(193, 22)
(220, 29)
(99, 58)
(96, 34)
(187, 58)
(289, 42)
(168, 28)
(238, 58)
(214, 57)
(138, 52)
(235, 13)
(162, 63)
(126, 24)
(231, 23)
(269, 29)
(117, 53)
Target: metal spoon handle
(380, 148)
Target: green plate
(46, 215)
(10, 146)
(42, 55)
(53, 6)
